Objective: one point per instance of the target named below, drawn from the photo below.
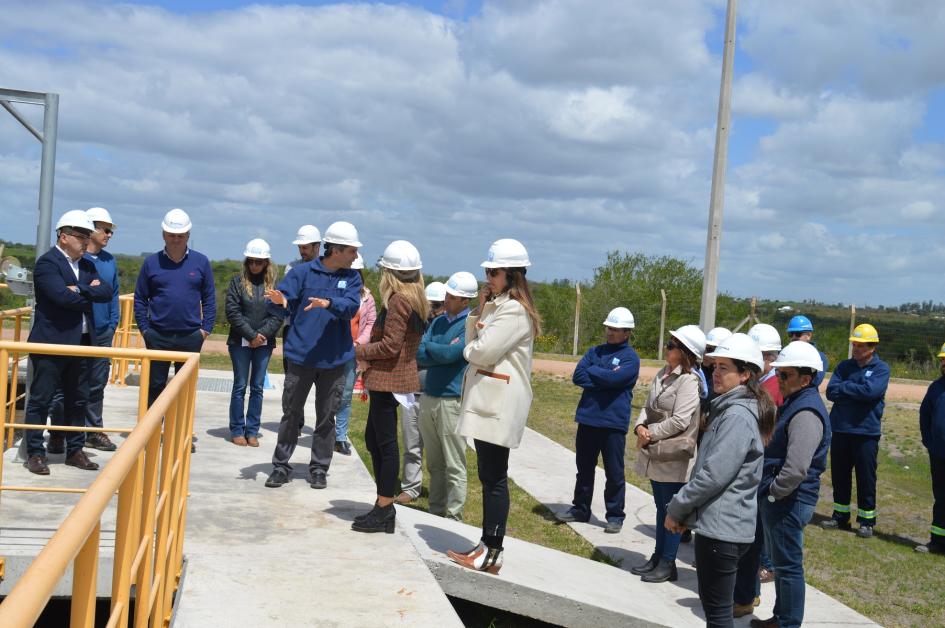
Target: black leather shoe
(318, 478)
(378, 520)
(646, 567)
(100, 441)
(665, 571)
(37, 465)
(367, 514)
(343, 447)
(571, 517)
(57, 443)
(277, 478)
(80, 461)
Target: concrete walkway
(546, 471)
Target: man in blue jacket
(607, 373)
(322, 297)
(441, 353)
(932, 425)
(65, 286)
(857, 389)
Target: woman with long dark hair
(497, 392)
(720, 500)
(391, 360)
(251, 340)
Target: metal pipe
(47, 173)
(19, 117)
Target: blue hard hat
(800, 323)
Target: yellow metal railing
(150, 471)
(126, 337)
(8, 413)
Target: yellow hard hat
(864, 333)
(941, 352)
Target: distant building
(785, 308)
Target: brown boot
(37, 465)
(80, 461)
(740, 610)
(239, 441)
(252, 441)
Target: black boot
(646, 567)
(665, 571)
(379, 520)
(374, 509)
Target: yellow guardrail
(150, 471)
(8, 408)
(126, 337)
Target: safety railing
(126, 337)
(150, 471)
(19, 316)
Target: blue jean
(667, 543)
(344, 413)
(249, 365)
(784, 522)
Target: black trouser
(493, 463)
(168, 341)
(716, 566)
(329, 385)
(50, 373)
(849, 452)
(747, 582)
(589, 444)
(380, 438)
(285, 369)
(937, 465)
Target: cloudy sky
(577, 127)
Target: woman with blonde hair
(251, 340)
(391, 369)
(497, 392)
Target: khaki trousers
(445, 454)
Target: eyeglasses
(494, 272)
(672, 345)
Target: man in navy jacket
(932, 426)
(65, 286)
(857, 389)
(607, 373)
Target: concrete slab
(255, 556)
(546, 471)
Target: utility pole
(710, 274)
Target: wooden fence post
(577, 316)
(659, 350)
(852, 325)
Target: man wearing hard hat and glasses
(175, 298)
(65, 287)
(857, 389)
(932, 426)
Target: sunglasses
(256, 262)
(672, 345)
(784, 376)
(106, 230)
(78, 234)
(796, 334)
(494, 272)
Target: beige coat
(675, 395)
(497, 390)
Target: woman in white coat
(497, 392)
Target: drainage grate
(215, 384)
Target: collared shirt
(74, 265)
(450, 319)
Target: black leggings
(716, 567)
(380, 437)
(493, 462)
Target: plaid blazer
(391, 355)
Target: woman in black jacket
(252, 338)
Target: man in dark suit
(65, 286)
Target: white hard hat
(800, 354)
(342, 233)
(766, 336)
(100, 214)
(436, 291)
(257, 248)
(716, 335)
(692, 337)
(307, 234)
(75, 218)
(740, 347)
(401, 255)
(462, 284)
(358, 263)
(176, 221)
(506, 253)
(620, 317)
